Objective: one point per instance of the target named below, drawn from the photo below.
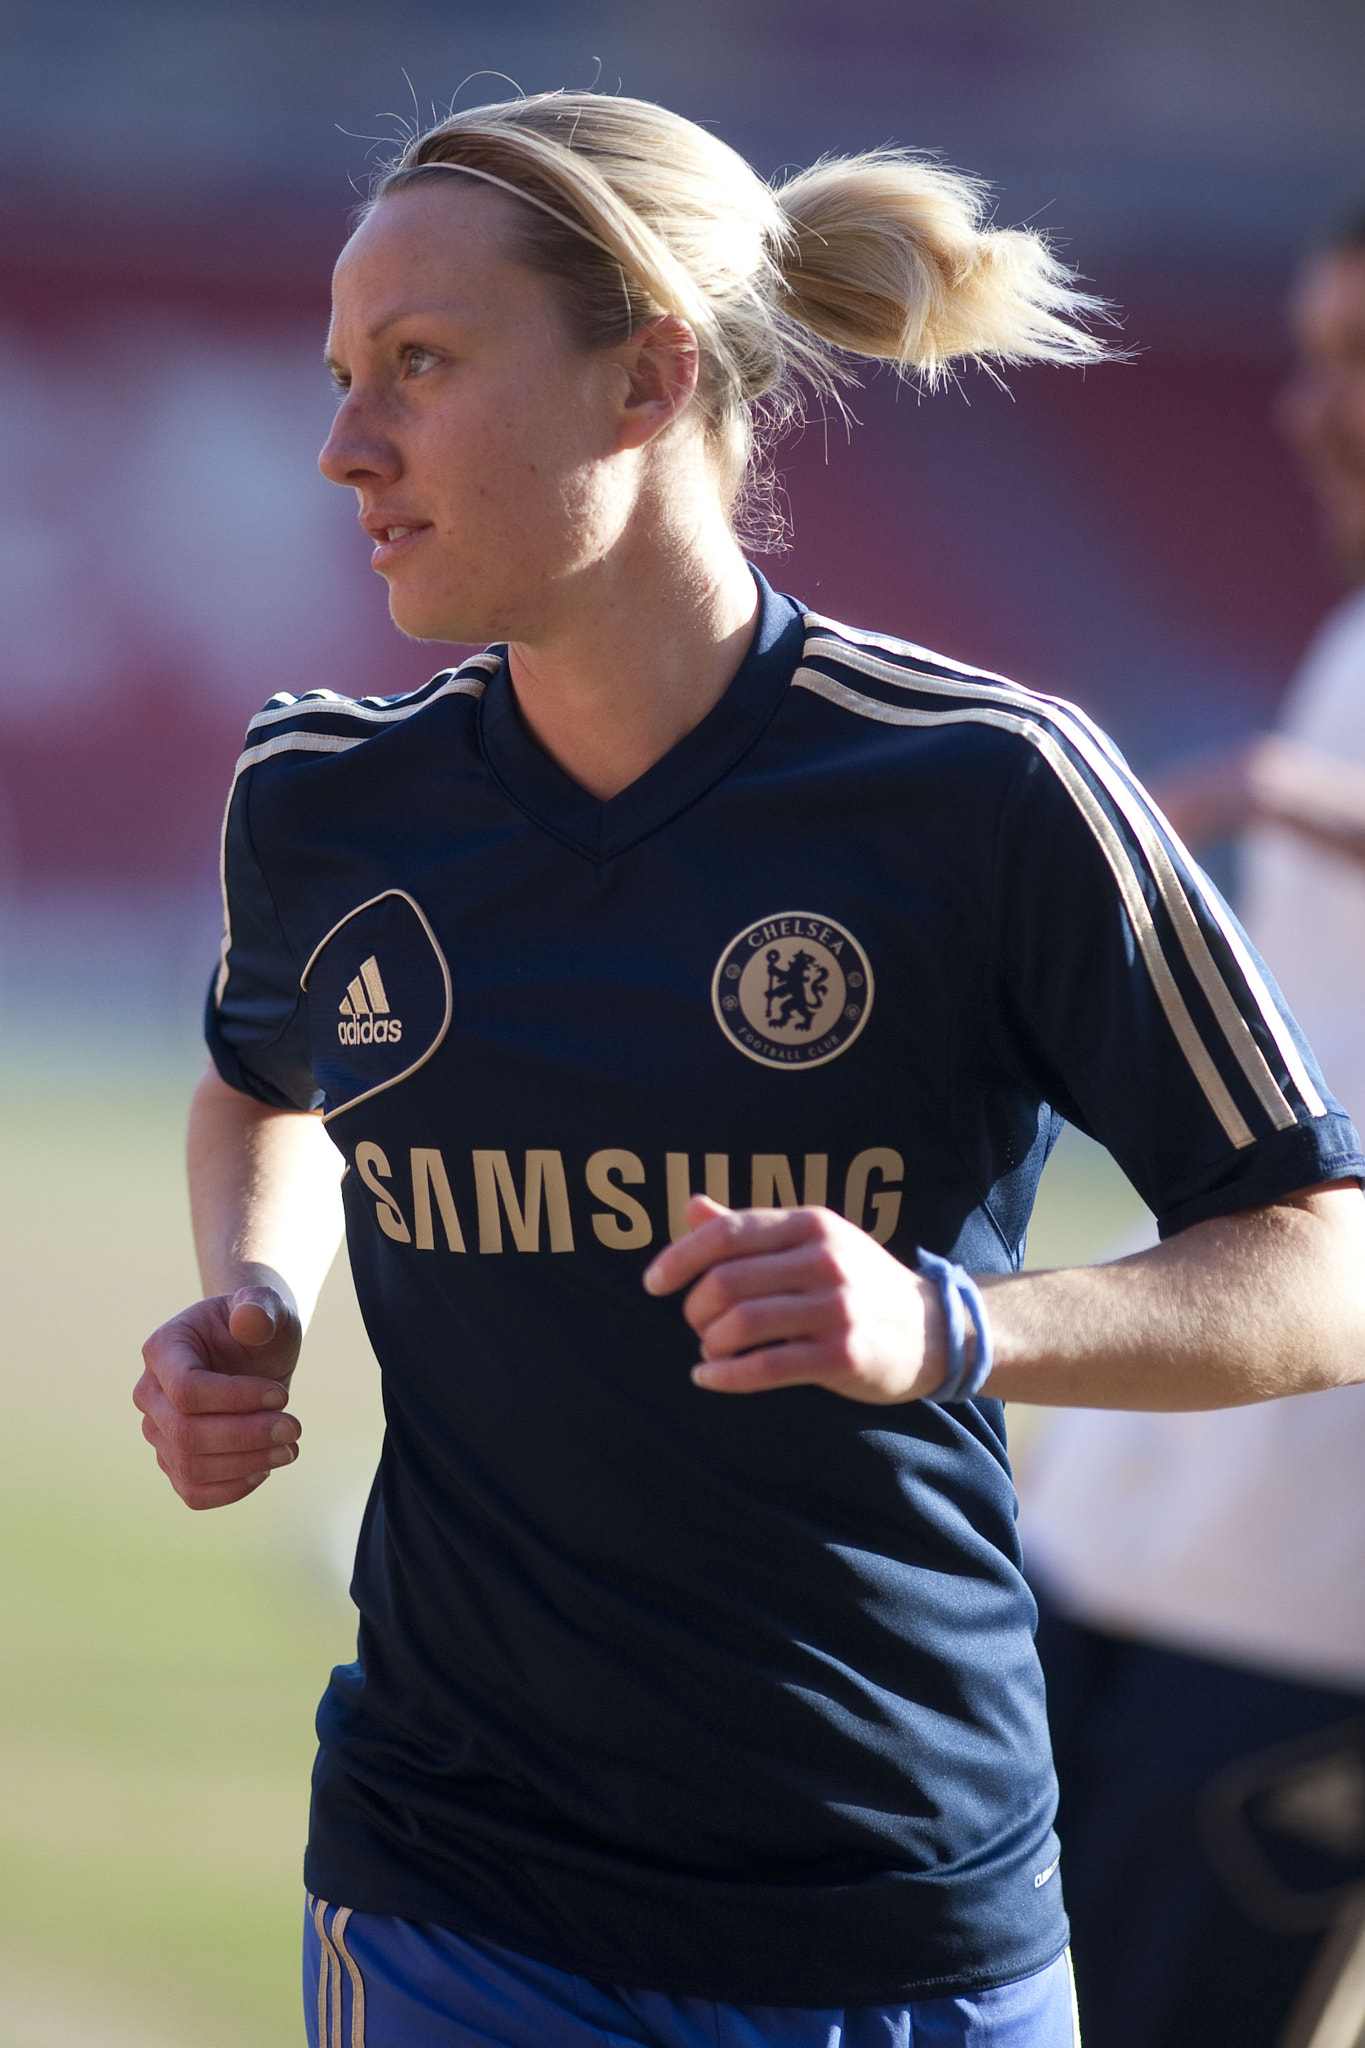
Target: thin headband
(505, 185)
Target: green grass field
(161, 1669)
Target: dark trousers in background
(1212, 1824)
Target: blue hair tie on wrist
(961, 1297)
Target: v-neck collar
(539, 786)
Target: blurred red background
(1133, 536)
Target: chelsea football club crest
(792, 990)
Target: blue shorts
(371, 1982)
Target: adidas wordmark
(365, 1018)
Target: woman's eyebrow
(445, 312)
(437, 312)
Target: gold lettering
(678, 1171)
(771, 1185)
(370, 1162)
(886, 1202)
(637, 1231)
(544, 1176)
(429, 1177)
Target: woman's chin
(427, 620)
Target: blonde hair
(637, 212)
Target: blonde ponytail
(888, 256)
(635, 212)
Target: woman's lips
(394, 539)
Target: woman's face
(484, 446)
(1322, 407)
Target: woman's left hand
(800, 1297)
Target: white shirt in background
(1240, 1534)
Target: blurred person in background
(680, 1718)
(1202, 1577)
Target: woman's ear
(661, 362)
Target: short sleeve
(1134, 1003)
(256, 1020)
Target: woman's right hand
(213, 1391)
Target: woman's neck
(652, 647)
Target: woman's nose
(354, 452)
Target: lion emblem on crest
(792, 990)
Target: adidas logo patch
(365, 1018)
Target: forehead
(446, 242)
(1327, 306)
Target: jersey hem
(230, 1069)
(722, 1990)
(1283, 1165)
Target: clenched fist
(212, 1394)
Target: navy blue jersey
(734, 1698)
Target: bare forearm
(1247, 1307)
(1311, 793)
(264, 1195)
(1271, 780)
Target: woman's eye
(418, 359)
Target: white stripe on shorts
(332, 1953)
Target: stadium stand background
(176, 179)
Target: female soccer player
(690, 968)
